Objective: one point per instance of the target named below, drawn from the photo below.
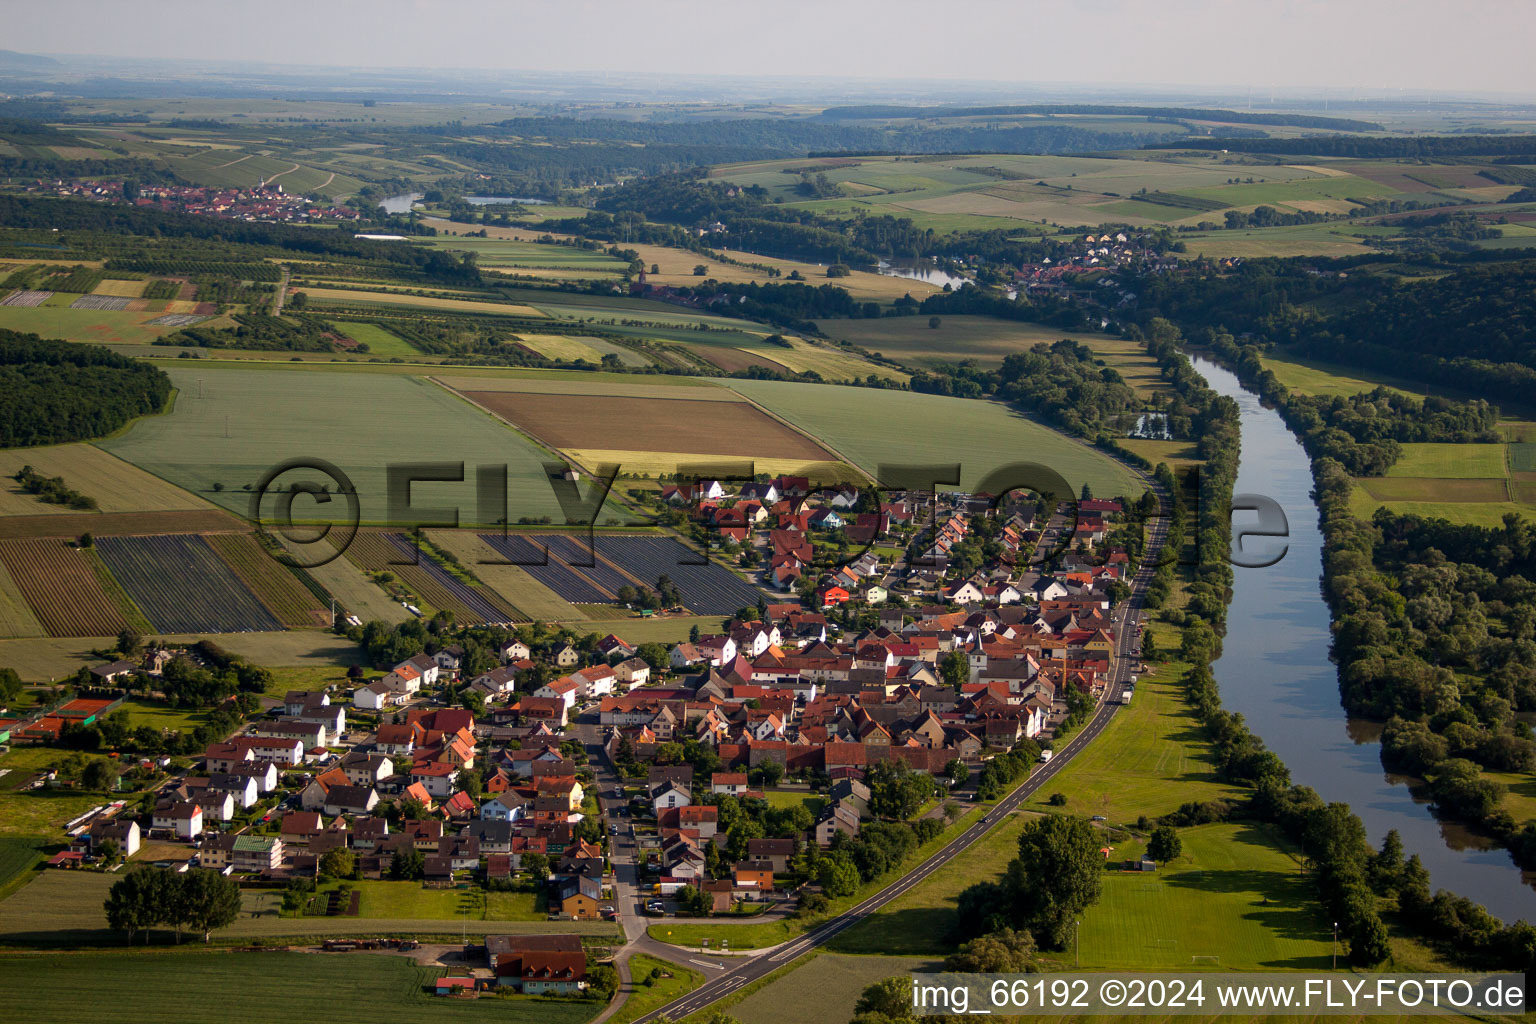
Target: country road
(732, 978)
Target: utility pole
(1335, 945)
(1077, 944)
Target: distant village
(264, 202)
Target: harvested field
(428, 580)
(26, 298)
(1446, 460)
(277, 586)
(119, 524)
(575, 382)
(124, 289)
(650, 425)
(732, 360)
(116, 485)
(183, 587)
(350, 297)
(61, 588)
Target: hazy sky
(1473, 45)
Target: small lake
(920, 270)
(1274, 669)
(403, 203)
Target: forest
(57, 392)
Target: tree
(338, 863)
(955, 669)
(129, 904)
(1055, 877)
(537, 866)
(957, 771)
(407, 866)
(211, 900)
(888, 1000)
(933, 323)
(1003, 952)
(86, 540)
(100, 775)
(1165, 844)
(10, 685)
(129, 643)
(837, 876)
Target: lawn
(230, 426)
(141, 987)
(673, 983)
(1311, 377)
(162, 716)
(900, 428)
(793, 798)
(412, 900)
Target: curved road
(730, 979)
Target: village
(265, 201)
(729, 774)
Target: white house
(515, 650)
(668, 794)
(505, 807)
(632, 673)
(125, 833)
(244, 788)
(263, 772)
(565, 689)
(436, 778)
(184, 820)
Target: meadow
(94, 325)
(651, 993)
(57, 987)
(39, 660)
(822, 988)
(230, 426)
(909, 338)
(870, 427)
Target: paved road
(733, 976)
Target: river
(403, 203)
(1275, 670)
(920, 270)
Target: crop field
(321, 297)
(871, 427)
(909, 338)
(595, 384)
(511, 582)
(95, 325)
(1444, 489)
(183, 586)
(501, 252)
(116, 485)
(585, 575)
(232, 425)
(124, 289)
(16, 619)
(275, 585)
(428, 580)
(72, 987)
(571, 347)
(192, 520)
(61, 587)
(675, 266)
(649, 425)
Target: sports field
(65, 988)
(872, 427)
(117, 486)
(231, 426)
(649, 425)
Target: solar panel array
(625, 560)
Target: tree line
(56, 391)
(200, 899)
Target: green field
(823, 988)
(872, 427)
(380, 342)
(230, 426)
(1312, 377)
(137, 984)
(1465, 461)
(18, 856)
(60, 908)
